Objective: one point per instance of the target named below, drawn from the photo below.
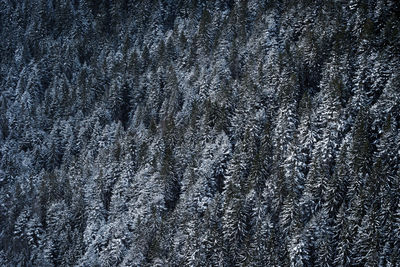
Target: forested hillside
(199, 133)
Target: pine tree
(170, 181)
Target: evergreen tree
(199, 133)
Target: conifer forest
(199, 133)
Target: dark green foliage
(199, 133)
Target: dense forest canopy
(199, 133)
